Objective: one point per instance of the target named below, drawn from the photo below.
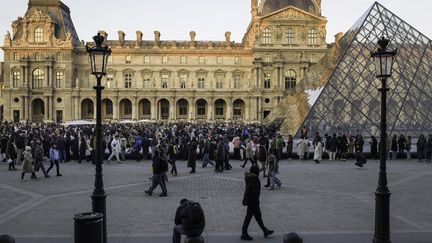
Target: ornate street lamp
(383, 59)
(98, 60)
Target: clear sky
(208, 18)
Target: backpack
(193, 221)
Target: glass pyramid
(350, 101)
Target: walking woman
(318, 150)
(11, 153)
(28, 164)
(54, 159)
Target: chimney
(192, 39)
(104, 34)
(157, 36)
(121, 36)
(139, 36)
(254, 7)
(228, 39)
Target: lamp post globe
(98, 56)
(383, 59)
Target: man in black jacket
(160, 166)
(251, 200)
(178, 230)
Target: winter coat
(220, 152)
(159, 165)
(290, 144)
(262, 154)
(28, 162)
(302, 147)
(249, 152)
(252, 191)
(318, 151)
(192, 155)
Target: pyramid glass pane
(350, 101)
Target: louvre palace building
(47, 78)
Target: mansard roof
(270, 6)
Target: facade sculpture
(47, 76)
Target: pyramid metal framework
(350, 101)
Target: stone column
(192, 110)
(210, 115)
(153, 109)
(76, 108)
(26, 108)
(46, 108)
(229, 111)
(134, 108)
(47, 77)
(247, 108)
(173, 110)
(27, 76)
(115, 109)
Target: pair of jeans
(206, 160)
(116, 154)
(158, 179)
(40, 165)
(52, 165)
(274, 180)
(62, 155)
(177, 232)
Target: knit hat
(27, 148)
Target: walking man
(160, 166)
(115, 148)
(251, 200)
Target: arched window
(267, 36)
(290, 36)
(290, 80)
(38, 77)
(312, 37)
(38, 35)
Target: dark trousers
(219, 165)
(255, 211)
(236, 153)
(158, 179)
(253, 162)
(52, 165)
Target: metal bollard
(88, 228)
(292, 238)
(8, 239)
(195, 239)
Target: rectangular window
(201, 84)
(110, 79)
(128, 80)
(201, 109)
(183, 81)
(237, 82)
(290, 36)
(146, 59)
(59, 79)
(183, 60)
(16, 77)
(164, 60)
(267, 81)
(237, 60)
(219, 60)
(128, 59)
(146, 83)
(164, 84)
(201, 60)
(219, 83)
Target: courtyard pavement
(329, 202)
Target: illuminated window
(267, 36)
(312, 37)
(146, 83)
(164, 60)
(128, 59)
(59, 79)
(16, 77)
(201, 60)
(183, 60)
(38, 77)
(237, 60)
(38, 35)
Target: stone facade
(48, 78)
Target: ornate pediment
(291, 13)
(38, 16)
